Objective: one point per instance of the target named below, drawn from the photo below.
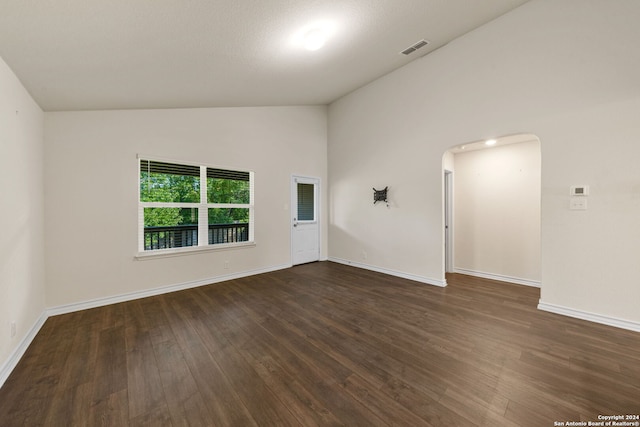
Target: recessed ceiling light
(491, 142)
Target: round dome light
(314, 39)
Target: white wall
(497, 212)
(91, 191)
(22, 218)
(564, 70)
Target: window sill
(165, 253)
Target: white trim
(164, 253)
(203, 206)
(99, 302)
(591, 317)
(409, 276)
(498, 277)
(140, 209)
(449, 249)
(293, 208)
(9, 365)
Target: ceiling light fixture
(314, 35)
(491, 142)
(314, 39)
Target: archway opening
(491, 209)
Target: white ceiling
(120, 54)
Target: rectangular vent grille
(414, 47)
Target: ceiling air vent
(414, 47)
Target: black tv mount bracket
(380, 196)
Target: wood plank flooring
(325, 344)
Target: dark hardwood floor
(325, 344)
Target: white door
(305, 228)
(448, 221)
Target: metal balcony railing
(178, 236)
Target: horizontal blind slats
(169, 168)
(227, 174)
(306, 202)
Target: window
(306, 201)
(187, 205)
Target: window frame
(314, 209)
(203, 210)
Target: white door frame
(305, 179)
(448, 222)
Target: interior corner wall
(91, 173)
(564, 70)
(22, 282)
(497, 212)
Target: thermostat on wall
(579, 190)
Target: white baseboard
(7, 367)
(10, 364)
(421, 279)
(99, 302)
(498, 277)
(591, 317)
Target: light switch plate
(578, 204)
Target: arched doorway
(491, 209)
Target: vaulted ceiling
(121, 54)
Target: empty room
(310, 213)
